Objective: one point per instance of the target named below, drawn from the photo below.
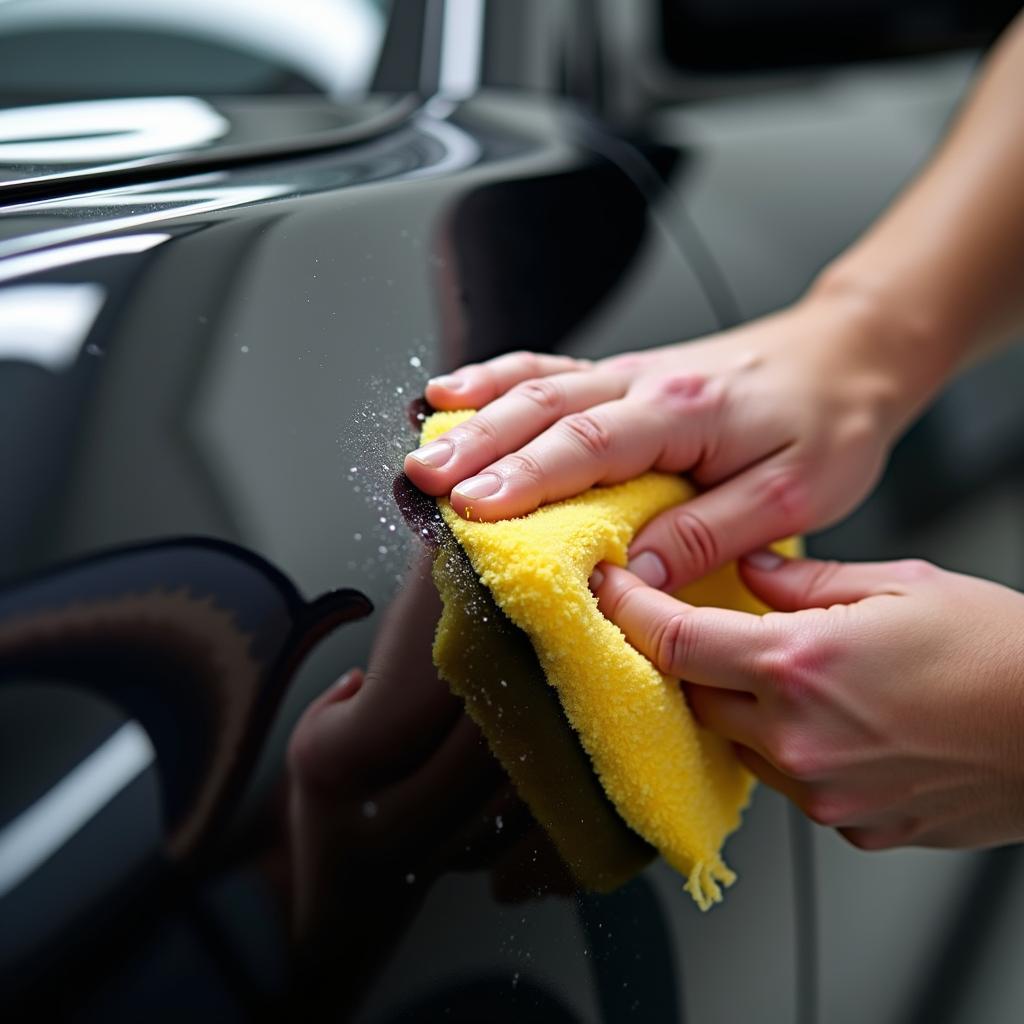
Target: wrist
(892, 348)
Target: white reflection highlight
(104, 130)
(461, 150)
(47, 259)
(146, 195)
(47, 324)
(128, 199)
(40, 831)
(335, 44)
(461, 44)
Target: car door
(206, 421)
(210, 345)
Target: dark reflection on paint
(392, 786)
(234, 358)
(532, 258)
(491, 665)
(196, 639)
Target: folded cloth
(676, 785)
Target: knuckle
(524, 358)
(794, 755)
(529, 362)
(787, 493)
(523, 466)
(512, 366)
(695, 541)
(478, 430)
(681, 388)
(674, 643)
(630, 361)
(586, 431)
(546, 394)
(795, 668)
(855, 429)
(917, 570)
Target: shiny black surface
(243, 378)
(743, 37)
(106, 143)
(117, 92)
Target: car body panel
(229, 355)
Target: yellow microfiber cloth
(676, 785)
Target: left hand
(885, 699)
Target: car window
(81, 49)
(107, 86)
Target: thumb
(695, 538)
(791, 584)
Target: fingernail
(596, 579)
(764, 560)
(448, 381)
(482, 486)
(435, 454)
(650, 568)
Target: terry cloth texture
(678, 786)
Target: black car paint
(245, 384)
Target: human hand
(784, 423)
(885, 699)
(390, 779)
(392, 784)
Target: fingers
(736, 716)
(761, 505)
(506, 424)
(473, 386)
(708, 646)
(605, 444)
(452, 786)
(396, 715)
(760, 766)
(792, 584)
(854, 815)
(556, 436)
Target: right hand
(883, 698)
(784, 423)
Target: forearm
(943, 268)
